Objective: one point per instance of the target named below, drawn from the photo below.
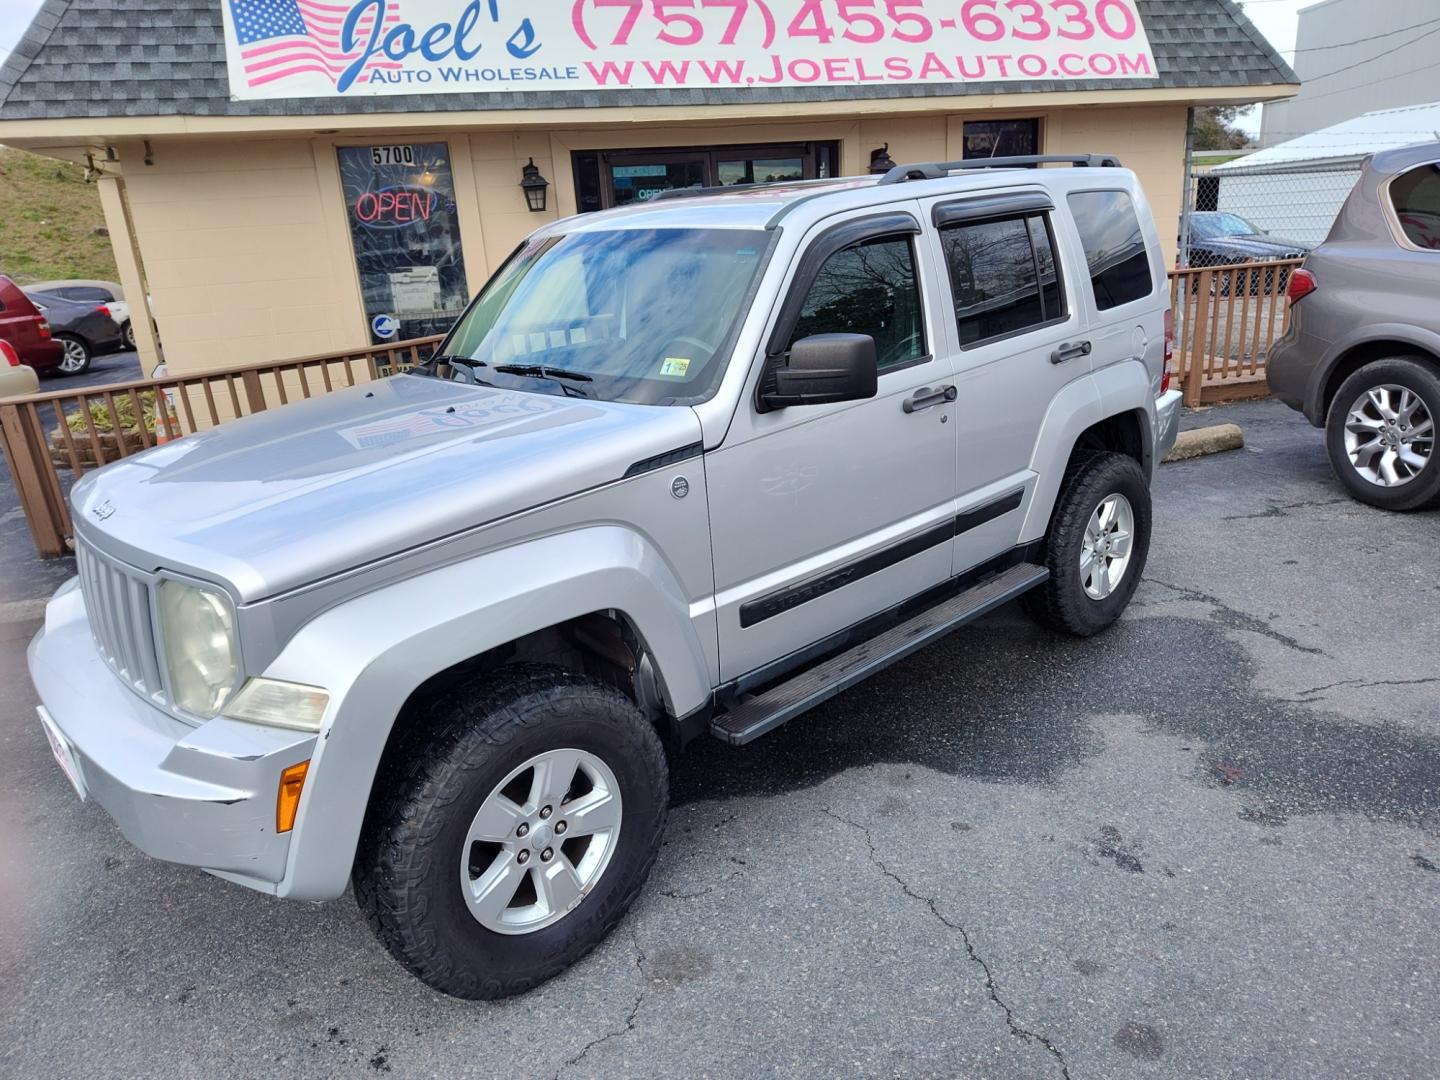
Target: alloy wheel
(75, 356)
(540, 841)
(1389, 435)
(1105, 550)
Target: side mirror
(824, 368)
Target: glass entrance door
(639, 178)
(605, 178)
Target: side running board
(787, 700)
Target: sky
(1276, 19)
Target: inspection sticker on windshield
(675, 366)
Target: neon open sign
(394, 207)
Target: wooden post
(24, 447)
(254, 392)
(1200, 342)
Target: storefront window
(1001, 138)
(401, 204)
(605, 178)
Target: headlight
(279, 704)
(198, 627)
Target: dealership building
(282, 178)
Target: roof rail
(725, 189)
(937, 170)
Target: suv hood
(296, 494)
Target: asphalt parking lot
(1204, 844)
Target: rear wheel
(504, 844)
(1380, 434)
(127, 332)
(1096, 548)
(75, 359)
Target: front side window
(869, 288)
(638, 315)
(1003, 277)
(1114, 247)
(1415, 197)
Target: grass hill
(49, 219)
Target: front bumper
(202, 796)
(1167, 422)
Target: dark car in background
(84, 330)
(1361, 355)
(87, 291)
(1219, 238)
(25, 328)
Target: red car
(26, 329)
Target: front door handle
(927, 396)
(1069, 351)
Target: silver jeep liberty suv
(686, 468)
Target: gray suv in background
(1361, 356)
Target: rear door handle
(927, 397)
(1069, 351)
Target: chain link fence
(1241, 233)
(1238, 215)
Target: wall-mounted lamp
(534, 185)
(880, 159)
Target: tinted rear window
(1114, 247)
(1416, 197)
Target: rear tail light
(8, 354)
(1302, 284)
(103, 310)
(1169, 350)
(44, 328)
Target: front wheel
(1096, 547)
(507, 841)
(1380, 434)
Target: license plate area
(64, 753)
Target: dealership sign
(308, 48)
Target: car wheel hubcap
(540, 841)
(1389, 435)
(74, 356)
(1105, 550)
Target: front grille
(117, 602)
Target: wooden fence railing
(52, 439)
(1226, 318)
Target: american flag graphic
(281, 38)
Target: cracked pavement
(1206, 843)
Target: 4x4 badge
(103, 510)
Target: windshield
(1210, 226)
(629, 315)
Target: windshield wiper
(542, 372)
(466, 363)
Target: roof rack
(938, 170)
(726, 189)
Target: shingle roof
(100, 58)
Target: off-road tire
(1061, 603)
(1418, 376)
(459, 747)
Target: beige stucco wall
(246, 246)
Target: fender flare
(1113, 390)
(1425, 340)
(372, 652)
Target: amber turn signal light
(287, 802)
